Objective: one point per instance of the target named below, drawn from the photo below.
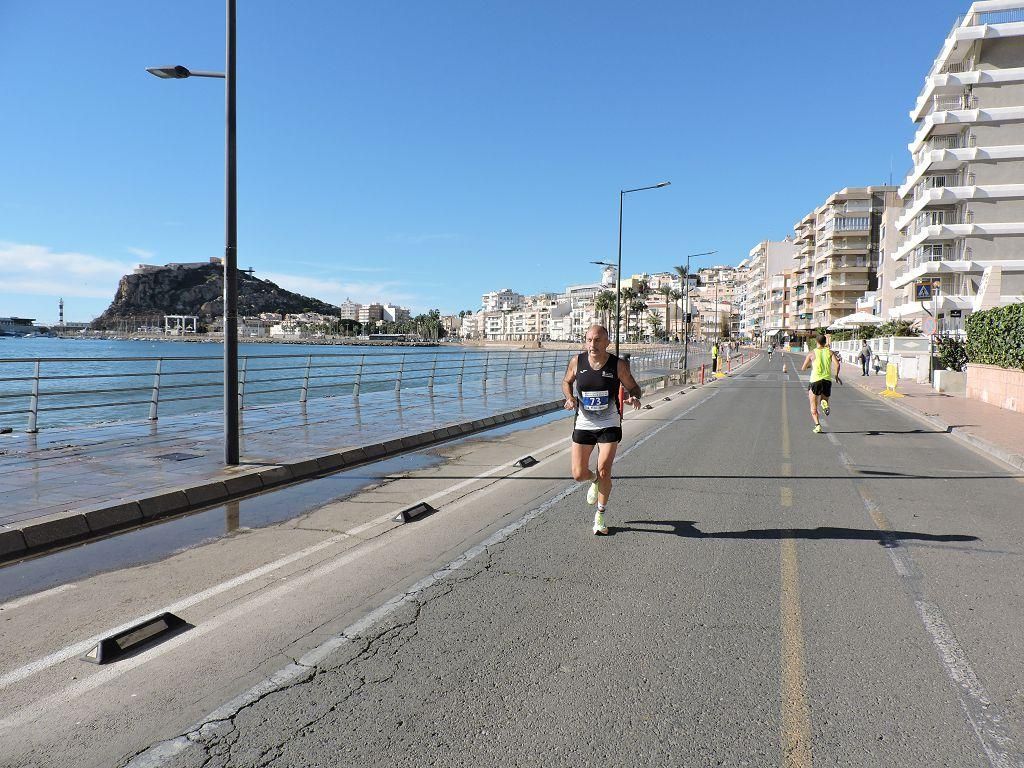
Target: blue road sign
(922, 291)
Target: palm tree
(684, 275)
(604, 305)
(654, 320)
(636, 306)
(675, 296)
(666, 291)
(626, 296)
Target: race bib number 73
(594, 401)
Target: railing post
(241, 383)
(401, 370)
(487, 365)
(508, 362)
(154, 400)
(304, 395)
(433, 370)
(462, 372)
(359, 377)
(33, 406)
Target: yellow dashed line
(796, 714)
(786, 496)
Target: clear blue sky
(428, 152)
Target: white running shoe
(599, 527)
(592, 492)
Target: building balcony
(943, 232)
(964, 117)
(954, 158)
(951, 196)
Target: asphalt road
(766, 597)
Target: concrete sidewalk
(68, 485)
(995, 431)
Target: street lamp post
(231, 452)
(618, 274)
(686, 330)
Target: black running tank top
(598, 402)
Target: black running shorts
(821, 388)
(595, 436)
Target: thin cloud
(41, 271)
(336, 291)
(141, 253)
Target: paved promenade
(65, 485)
(766, 597)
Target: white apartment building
(963, 201)
(801, 296)
(766, 259)
(502, 301)
(393, 314)
(349, 310)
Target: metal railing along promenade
(90, 390)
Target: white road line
(10, 606)
(77, 649)
(984, 718)
(159, 753)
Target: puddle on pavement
(164, 538)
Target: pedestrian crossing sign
(923, 291)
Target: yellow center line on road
(796, 712)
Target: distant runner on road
(597, 375)
(820, 361)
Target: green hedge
(996, 336)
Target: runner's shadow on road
(876, 432)
(688, 529)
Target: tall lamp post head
(169, 72)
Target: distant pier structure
(60, 305)
(178, 325)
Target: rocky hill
(198, 290)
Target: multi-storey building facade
(767, 259)
(801, 308)
(836, 257)
(503, 300)
(349, 310)
(963, 218)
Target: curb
(43, 534)
(1013, 459)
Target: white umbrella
(860, 318)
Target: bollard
(33, 406)
(702, 373)
(154, 400)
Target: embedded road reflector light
(648, 407)
(526, 461)
(411, 513)
(668, 398)
(134, 638)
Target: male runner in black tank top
(597, 376)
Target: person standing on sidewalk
(714, 357)
(597, 376)
(820, 361)
(865, 357)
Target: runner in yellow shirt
(820, 362)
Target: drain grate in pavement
(179, 456)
